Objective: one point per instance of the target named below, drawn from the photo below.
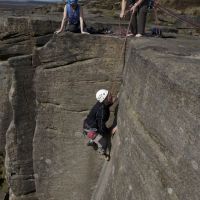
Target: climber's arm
(63, 20)
(82, 22)
(134, 7)
(123, 7)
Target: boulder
(19, 136)
(157, 148)
(51, 93)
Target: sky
(33, 0)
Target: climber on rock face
(95, 123)
(73, 14)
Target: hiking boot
(95, 146)
(107, 157)
(91, 143)
(138, 35)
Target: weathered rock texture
(19, 137)
(158, 150)
(5, 118)
(155, 153)
(4, 103)
(71, 69)
(50, 95)
(19, 35)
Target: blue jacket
(73, 15)
(145, 2)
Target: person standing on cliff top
(95, 124)
(73, 14)
(138, 9)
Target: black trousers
(138, 21)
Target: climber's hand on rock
(114, 130)
(116, 98)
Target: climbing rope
(125, 41)
(155, 8)
(123, 51)
(173, 14)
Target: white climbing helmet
(101, 95)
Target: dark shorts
(74, 28)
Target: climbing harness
(95, 138)
(90, 133)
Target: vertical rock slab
(19, 137)
(4, 103)
(159, 122)
(19, 35)
(69, 70)
(5, 115)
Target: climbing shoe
(91, 143)
(101, 151)
(95, 146)
(107, 157)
